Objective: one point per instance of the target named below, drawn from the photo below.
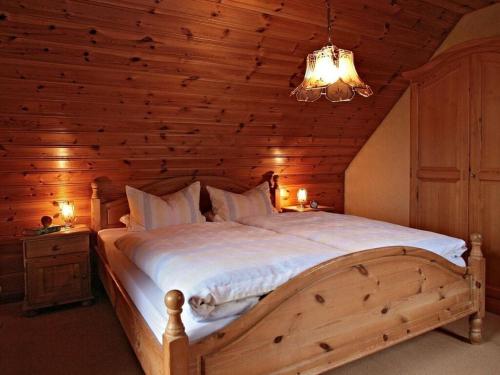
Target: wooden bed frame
(331, 314)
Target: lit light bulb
(302, 196)
(67, 209)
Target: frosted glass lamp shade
(67, 209)
(322, 69)
(302, 196)
(331, 72)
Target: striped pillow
(229, 206)
(148, 211)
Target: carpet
(89, 340)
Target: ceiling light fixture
(331, 72)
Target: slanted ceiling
(137, 90)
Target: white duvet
(222, 268)
(352, 233)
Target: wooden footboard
(329, 315)
(334, 313)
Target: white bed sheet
(220, 266)
(353, 233)
(147, 297)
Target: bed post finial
(477, 272)
(276, 192)
(95, 190)
(275, 181)
(174, 301)
(175, 340)
(476, 240)
(95, 207)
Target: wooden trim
(414, 154)
(390, 294)
(454, 53)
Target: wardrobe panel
(440, 144)
(490, 110)
(490, 229)
(438, 202)
(441, 123)
(485, 165)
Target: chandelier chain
(329, 20)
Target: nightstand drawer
(56, 246)
(57, 279)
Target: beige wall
(377, 183)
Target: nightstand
(307, 209)
(57, 268)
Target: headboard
(106, 213)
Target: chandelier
(330, 71)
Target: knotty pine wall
(138, 90)
(95, 89)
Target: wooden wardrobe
(455, 149)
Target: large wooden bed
(334, 313)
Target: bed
(328, 315)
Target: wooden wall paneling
(138, 90)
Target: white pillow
(148, 211)
(125, 219)
(228, 206)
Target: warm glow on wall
(284, 194)
(302, 196)
(67, 209)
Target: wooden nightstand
(307, 209)
(57, 268)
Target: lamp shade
(67, 209)
(331, 72)
(322, 69)
(349, 75)
(302, 195)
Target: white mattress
(147, 297)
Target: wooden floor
(89, 340)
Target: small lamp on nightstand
(302, 197)
(67, 209)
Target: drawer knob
(56, 248)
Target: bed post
(275, 190)
(476, 271)
(95, 208)
(175, 340)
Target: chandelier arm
(329, 21)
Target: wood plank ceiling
(137, 90)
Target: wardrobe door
(440, 150)
(485, 166)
